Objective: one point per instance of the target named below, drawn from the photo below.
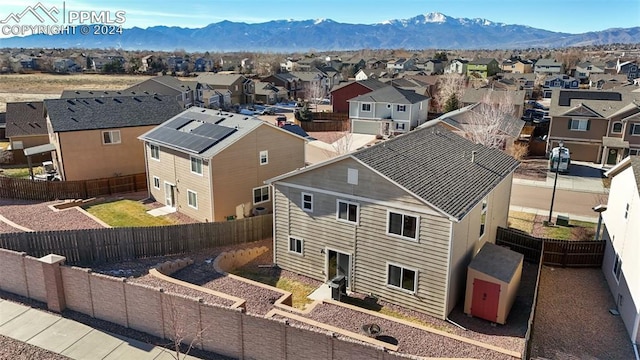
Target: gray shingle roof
(372, 84)
(393, 95)
(109, 112)
(25, 118)
(218, 79)
(496, 261)
(435, 164)
(481, 61)
(76, 94)
(605, 103)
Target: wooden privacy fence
(95, 246)
(565, 253)
(325, 125)
(26, 189)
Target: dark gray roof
(110, 112)
(296, 129)
(393, 95)
(435, 164)
(496, 261)
(77, 94)
(25, 118)
(372, 84)
(161, 85)
(481, 61)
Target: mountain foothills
(432, 30)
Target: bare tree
(314, 92)
(449, 86)
(492, 120)
(183, 336)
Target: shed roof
(496, 261)
(25, 118)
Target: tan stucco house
(400, 220)
(211, 165)
(98, 137)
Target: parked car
(267, 111)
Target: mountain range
(431, 30)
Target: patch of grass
(569, 232)
(4, 145)
(126, 213)
(21, 172)
(299, 290)
(606, 182)
(521, 221)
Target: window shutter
(569, 127)
(631, 129)
(588, 124)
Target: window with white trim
(400, 126)
(296, 245)
(156, 182)
(402, 278)
(348, 211)
(616, 128)
(366, 107)
(307, 202)
(579, 124)
(17, 145)
(402, 225)
(192, 199)
(264, 157)
(635, 129)
(111, 137)
(617, 267)
(260, 194)
(401, 108)
(196, 165)
(155, 151)
(483, 217)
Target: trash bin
(338, 287)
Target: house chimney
(473, 156)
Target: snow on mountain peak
(319, 21)
(435, 17)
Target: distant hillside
(432, 30)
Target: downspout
(446, 290)
(146, 169)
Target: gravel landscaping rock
(572, 318)
(11, 349)
(39, 217)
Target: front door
(338, 264)
(486, 296)
(612, 157)
(169, 195)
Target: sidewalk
(543, 212)
(71, 338)
(565, 182)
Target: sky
(571, 16)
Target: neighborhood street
(566, 201)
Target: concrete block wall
(308, 345)
(107, 297)
(222, 330)
(181, 316)
(14, 278)
(144, 309)
(263, 339)
(35, 280)
(77, 289)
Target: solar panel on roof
(213, 131)
(178, 122)
(567, 96)
(195, 144)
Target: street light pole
(555, 181)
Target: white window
(483, 217)
(111, 137)
(307, 202)
(348, 211)
(626, 212)
(635, 129)
(196, 165)
(402, 278)
(402, 225)
(579, 124)
(17, 145)
(155, 151)
(295, 245)
(260, 194)
(617, 127)
(366, 107)
(400, 126)
(264, 157)
(352, 176)
(156, 182)
(192, 198)
(401, 108)
(617, 267)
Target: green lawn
(21, 172)
(577, 230)
(126, 213)
(299, 290)
(521, 221)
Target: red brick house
(341, 93)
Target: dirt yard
(36, 87)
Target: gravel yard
(39, 217)
(573, 320)
(11, 349)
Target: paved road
(566, 201)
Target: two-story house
(400, 64)
(629, 68)
(433, 66)
(267, 93)
(400, 220)
(242, 89)
(597, 126)
(560, 82)
(483, 67)
(98, 137)
(607, 81)
(584, 70)
(457, 66)
(211, 165)
(548, 67)
(517, 66)
(342, 93)
(202, 65)
(365, 74)
(184, 92)
(388, 110)
(313, 83)
(620, 266)
(288, 81)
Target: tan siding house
(98, 137)
(392, 219)
(211, 165)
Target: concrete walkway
(583, 177)
(71, 338)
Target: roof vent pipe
(473, 156)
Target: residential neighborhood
(329, 204)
